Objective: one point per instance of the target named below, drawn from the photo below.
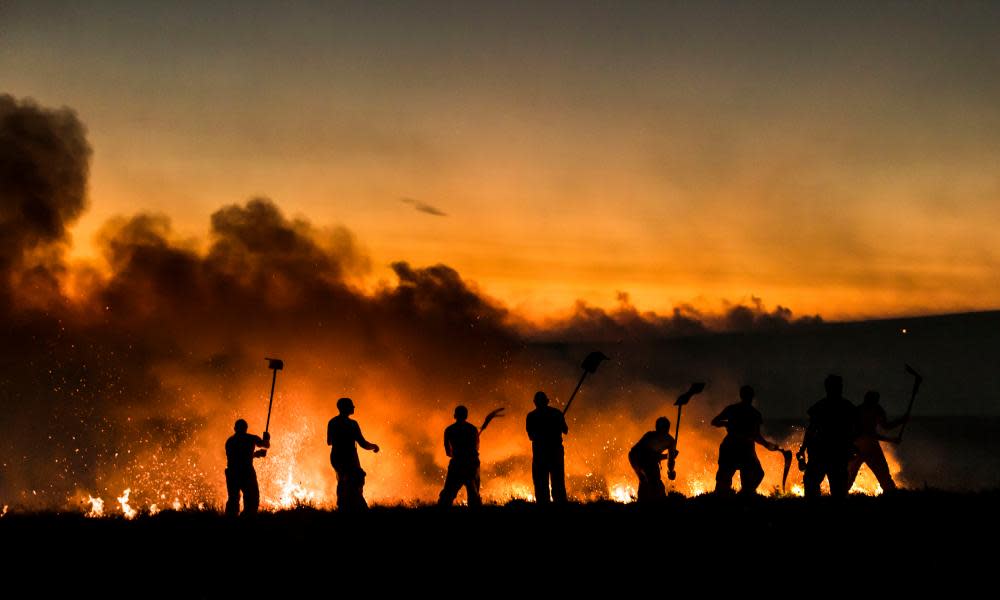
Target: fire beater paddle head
(275, 363)
(593, 360)
(913, 372)
(696, 388)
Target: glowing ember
(127, 510)
(4, 513)
(153, 509)
(622, 493)
(96, 507)
(294, 494)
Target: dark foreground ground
(773, 546)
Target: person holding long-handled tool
(461, 444)
(546, 426)
(872, 418)
(241, 449)
(240, 474)
(645, 457)
(737, 452)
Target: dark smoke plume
(136, 381)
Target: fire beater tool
(787, 456)
(275, 364)
(496, 413)
(590, 364)
(917, 380)
(696, 388)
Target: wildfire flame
(127, 510)
(96, 507)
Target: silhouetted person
(871, 417)
(546, 426)
(737, 452)
(461, 444)
(829, 440)
(343, 435)
(645, 457)
(240, 474)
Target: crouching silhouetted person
(737, 453)
(461, 444)
(645, 457)
(343, 435)
(240, 474)
(546, 426)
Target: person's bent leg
(452, 484)
(880, 467)
(750, 476)
(724, 479)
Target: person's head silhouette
(872, 397)
(461, 413)
(663, 425)
(241, 426)
(345, 406)
(746, 394)
(541, 399)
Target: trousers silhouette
(738, 456)
(461, 473)
(548, 464)
(870, 453)
(834, 468)
(245, 482)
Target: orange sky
(844, 162)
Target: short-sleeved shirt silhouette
(239, 450)
(344, 433)
(651, 447)
(463, 439)
(546, 426)
(834, 423)
(743, 422)
(870, 416)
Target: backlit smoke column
(121, 380)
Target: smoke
(135, 380)
(44, 162)
(626, 322)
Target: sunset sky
(842, 161)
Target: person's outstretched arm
(720, 420)
(365, 443)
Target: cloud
(423, 207)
